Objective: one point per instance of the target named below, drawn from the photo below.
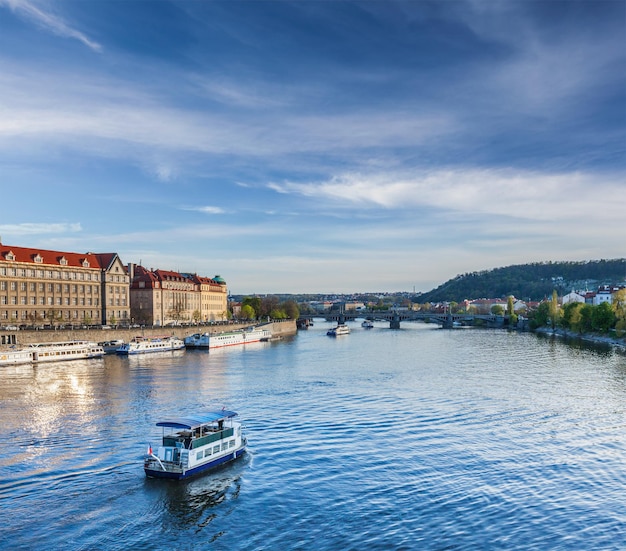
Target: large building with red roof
(42, 287)
(161, 297)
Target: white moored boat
(228, 338)
(367, 324)
(15, 356)
(341, 329)
(61, 351)
(195, 444)
(145, 345)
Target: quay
(279, 329)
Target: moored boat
(66, 350)
(367, 324)
(341, 329)
(110, 347)
(228, 338)
(146, 345)
(15, 356)
(195, 444)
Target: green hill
(529, 281)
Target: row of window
(51, 287)
(67, 301)
(50, 274)
(215, 449)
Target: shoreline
(594, 338)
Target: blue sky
(320, 146)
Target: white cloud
(31, 11)
(33, 228)
(518, 194)
(206, 209)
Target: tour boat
(15, 356)
(67, 350)
(195, 444)
(228, 338)
(367, 324)
(341, 329)
(145, 345)
(51, 352)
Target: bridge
(394, 317)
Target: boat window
(207, 452)
(224, 446)
(231, 444)
(216, 448)
(199, 455)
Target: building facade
(42, 287)
(161, 297)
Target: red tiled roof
(53, 258)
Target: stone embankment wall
(278, 328)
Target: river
(418, 438)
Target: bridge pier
(394, 322)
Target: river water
(419, 438)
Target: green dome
(219, 279)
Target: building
(161, 297)
(42, 287)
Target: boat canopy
(196, 421)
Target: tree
(619, 309)
(554, 310)
(247, 312)
(254, 303)
(509, 306)
(602, 318)
(196, 316)
(497, 310)
(291, 309)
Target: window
(23, 300)
(4, 300)
(199, 455)
(207, 452)
(13, 300)
(23, 286)
(216, 448)
(3, 285)
(231, 444)
(224, 446)
(33, 300)
(13, 286)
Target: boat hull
(198, 469)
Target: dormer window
(38, 258)
(9, 256)
(63, 261)
(85, 263)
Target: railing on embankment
(279, 328)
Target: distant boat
(341, 329)
(367, 324)
(195, 444)
(145, 345)
(228, 338)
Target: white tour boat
(341, 329)
(145, 345)
(228, 338)
(110, 347)
(15, 356)
(367, 324)
(51, 352)
(195, 444)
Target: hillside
(529, 281)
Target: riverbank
(595, 338)
(279, 328)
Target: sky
(315, 146)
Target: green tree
(254, 303)
(290, 308)
(540, 316)
(554, 310)
(602, 318)
(497, 310)
(586, 313)
(196, 316)
(509, 306)
(572, 318)
(247, 312)
(619, 309)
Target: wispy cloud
(31, 11)
(521, 194)
(33, 228)
(206, 209)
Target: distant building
(573, 297)
(42, 287)
(161, 297)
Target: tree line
(256, 308)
